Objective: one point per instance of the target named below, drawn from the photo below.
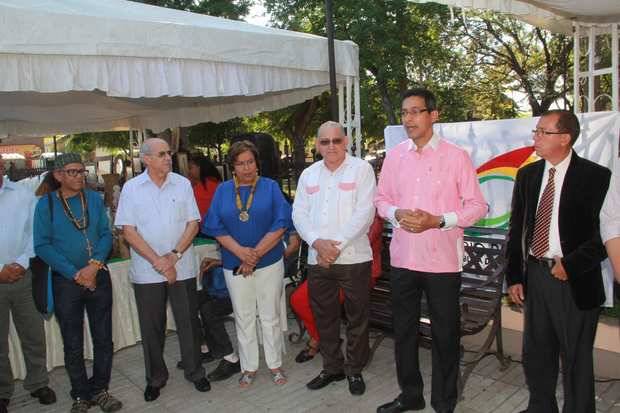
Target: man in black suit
(555, 250)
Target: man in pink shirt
(429, 191)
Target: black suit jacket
(583, 192)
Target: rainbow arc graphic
(503, 167)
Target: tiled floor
(488, 389)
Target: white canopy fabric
(85, 65)
(555, 15)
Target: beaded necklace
(80, 224)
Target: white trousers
(263, 291)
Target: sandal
(307, 354)
(278, 377)
(246, 379)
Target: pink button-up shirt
(440, 180)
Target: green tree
(517, 57)
(229, 9)
(86, 143)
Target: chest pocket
(180, 211)
(312, 189)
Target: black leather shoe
(357, 387)
(151, 393)
(224, 370)
(204, 358)
(305, 355)
(396, 406)
(45, 395)
(323, 379)
(3, 405)
(202, 385)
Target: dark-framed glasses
(412, 111)
(327, 141)
(542, 132)
(162, 154)
(75, 172)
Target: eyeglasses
(543, 132)
(247, 163)
(162, 154)
(413, 112)
(75, 172)
(327, 142)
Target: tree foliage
(229, 9)
(517, 57)
(86, 143)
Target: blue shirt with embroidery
(64, 248)
(268, 213)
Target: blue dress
(269, 212)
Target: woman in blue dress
(248, 216)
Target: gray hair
(145, 148)
(328, 125)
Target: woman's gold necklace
(244, 215)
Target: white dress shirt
(17, 206)
(555, 246)
(336, 205)
(160, 215)
(610, 213)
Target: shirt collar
(560, 167)
(433, 143)
(144, 177)
(347, 158)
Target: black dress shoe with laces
(323, 379)
(224, 370)
(151, 393)
(357, 387)
(45, 395)
(397, 405)
(202, 385)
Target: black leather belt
(545, 262)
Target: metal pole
(55, 148)
(329, 24)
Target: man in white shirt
(160, 218)
(16, 294)
(610, 221)
(554, 265)
(332, 212)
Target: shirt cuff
(450, 219)
(24, 261)
(311, 239)
(391, 216)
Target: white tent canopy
(84, 65)
(555, 15)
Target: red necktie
(542, 224)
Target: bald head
(330, 124)
(149, 146)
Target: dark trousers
(151, 302)
(556, 329)
(324, 285)
(442, 294)
(70, 300)
(213, 310)
(16, 301)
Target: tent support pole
(329, 25)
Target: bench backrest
(484, 262)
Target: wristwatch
(442, 222)
(177, 253)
